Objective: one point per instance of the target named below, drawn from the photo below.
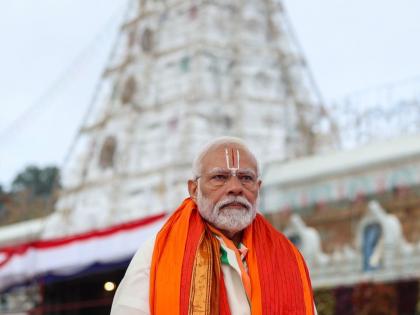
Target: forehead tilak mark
(235, 162)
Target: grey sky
(349, 45)
(354, 45)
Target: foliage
(375, 299)
(344, 301)
(1, 201)
(38, 181)
(324, 301)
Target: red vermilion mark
(233, 158)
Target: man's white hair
(197, 163)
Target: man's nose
(234, 186)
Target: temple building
(182, 73)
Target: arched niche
(306, 239)
(129, 90)
(147, 40)
(107, 154)
(295, 239)
(372, 246)
(379, 238)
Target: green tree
(39, 181)
(1, 199)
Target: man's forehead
(228, 156)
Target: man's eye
(220, 177)
(246, 178)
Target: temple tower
(181, 73)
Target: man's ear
(192, 189)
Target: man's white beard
(232, 220)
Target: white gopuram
(183, 72)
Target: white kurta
(132, 296)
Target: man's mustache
(229, 200)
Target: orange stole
(186, 276)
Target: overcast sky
(52, 54)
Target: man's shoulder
(143, 257)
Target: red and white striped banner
(69, 255)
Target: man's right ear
(192, 189)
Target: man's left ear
(192, 189)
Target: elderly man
(216, 254)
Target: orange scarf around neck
(186, 276)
